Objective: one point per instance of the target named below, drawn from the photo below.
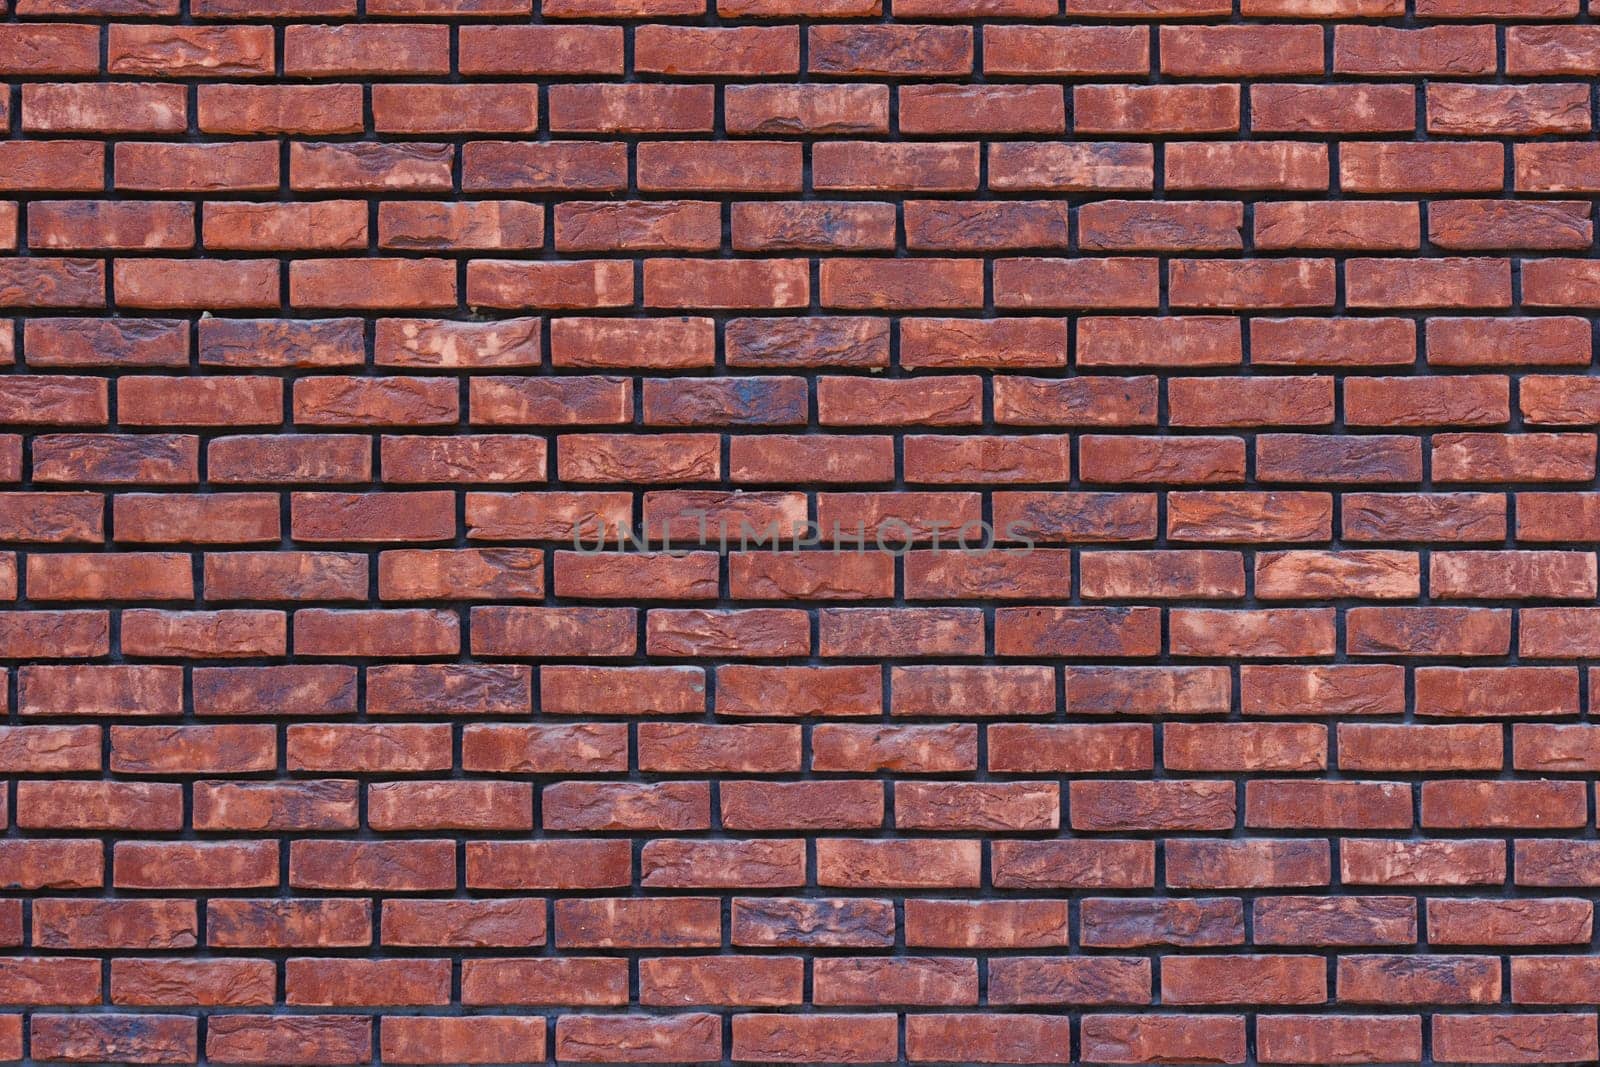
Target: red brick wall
(1258, 332)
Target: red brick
(1338, 1039)
(890, 51)
(109, 224)
(175, 284)
(365, 49)
(50, 49)
(1263, 862)
(1357, 225)
(1403, 167)
(53, 166)
(793, 109)
(873, 981)
(1298, 108)
(1155, 109)
(1309, 920)
(116, 107)
(748, 166)
(337, 224)
(487, 1039)
(1244, 980)
(988, 1038)
(1263, 165)
(926, 167)
(309, 474)
(315, 110)
(1051, 165)
(1080, 51)
(512, 166)
(1153, 1038)
(1076, 283)
(741, 51)
(1241, 52)
(1437, 50)
(540, 50)
(638, 1038)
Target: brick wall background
(1259, 331)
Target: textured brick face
(1186, 407)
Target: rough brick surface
(1110, 503)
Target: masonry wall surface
(1188, 406)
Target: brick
(411, 109)
(52, 282)
(540, 50)
(749, 166)
(276, 227)
(430, 1039)
(1229, 284)
(365, 49)
(579, 980)
(234, 983)
(160, 51)
(1155, 109)
(1402, 980)
(478, 224)
(1264, 862)
(683, 225)
(1101, 864)
(1436, 50)
(511, 167)
(174, 284)
(1304, 920)
(1338, 1039)
(738, 51)
(638, 1038)
(1244, 979)
(631, 108)
(265, 1038)
(910, 166)
(992, 1038)
(946, 225)
(50, 49)
(1152, 1038)
(138, 1039)
(867, 980)
(890, 51)
(117, 107)
(794, 109)
(54, 166)
(313, 110)
(1464, 167)
(1076, 283)
(1081, 51)
(1339, 225)
(1117, 922)
(1298, 108)
(109, 224)
(1476, 1038)
(450, 690)
(948, 109)
(1404, 748)
(1263, 165)
(791, 922)
(194, 866)
(1039, 166)
(381, 399)
(1126, 225)
(1232, 51)
(237, 166)
(1507, 110)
